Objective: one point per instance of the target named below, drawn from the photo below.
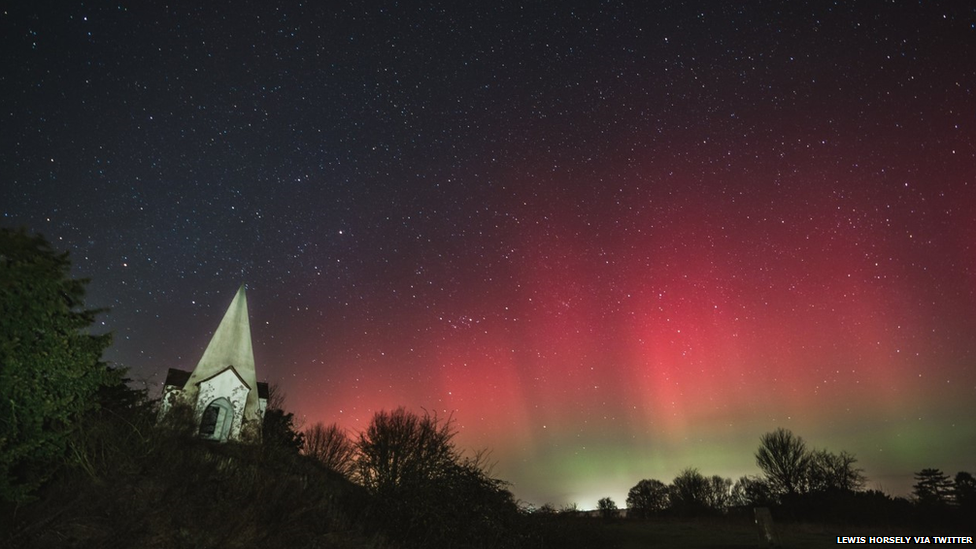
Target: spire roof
(230, 346)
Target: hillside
(147, 488)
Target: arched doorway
(216, 421)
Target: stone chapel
(227, 401)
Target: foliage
(120, 427)
(964, 491)
(50, 367)
(783, 459)
(151, 487)
(179, 421)
(330, 446)
(121, 397)
(279, 431)
(607, 508)
(932, 488)
(647, 497)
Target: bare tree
(400, 448)
(783, 458)
(750, 490)
(330, 446)
(834, 472)
(427, 491)
(276, 397)
(719, 493)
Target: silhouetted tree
(276, 397)
(50, 364)
(460, 503)
(400, 448)
(570, 510)
(607, 508)
(428, 494)
(932, 488)
(121, 397)
(330, 446)
(107, 437)
(964, 489)
(546, 509)
(647, 497)
(783, 459)
(754, 491)
(278, 431)
(829, 472)
(690, 491)
(719, 493)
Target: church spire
(231, 346)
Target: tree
(750, 490)
(570, 510)
(400, 448)
(607, 508)
(330, 446)
(829, 472)
(463, 498)
(783, 459)
(105, 439)
(278, 430)
(719, 493)
(429, 494)
(964, 491)
(647, 497)
(932, 488)
(546, 509)
(690, 491)
(50, 365)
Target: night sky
(614, 241)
